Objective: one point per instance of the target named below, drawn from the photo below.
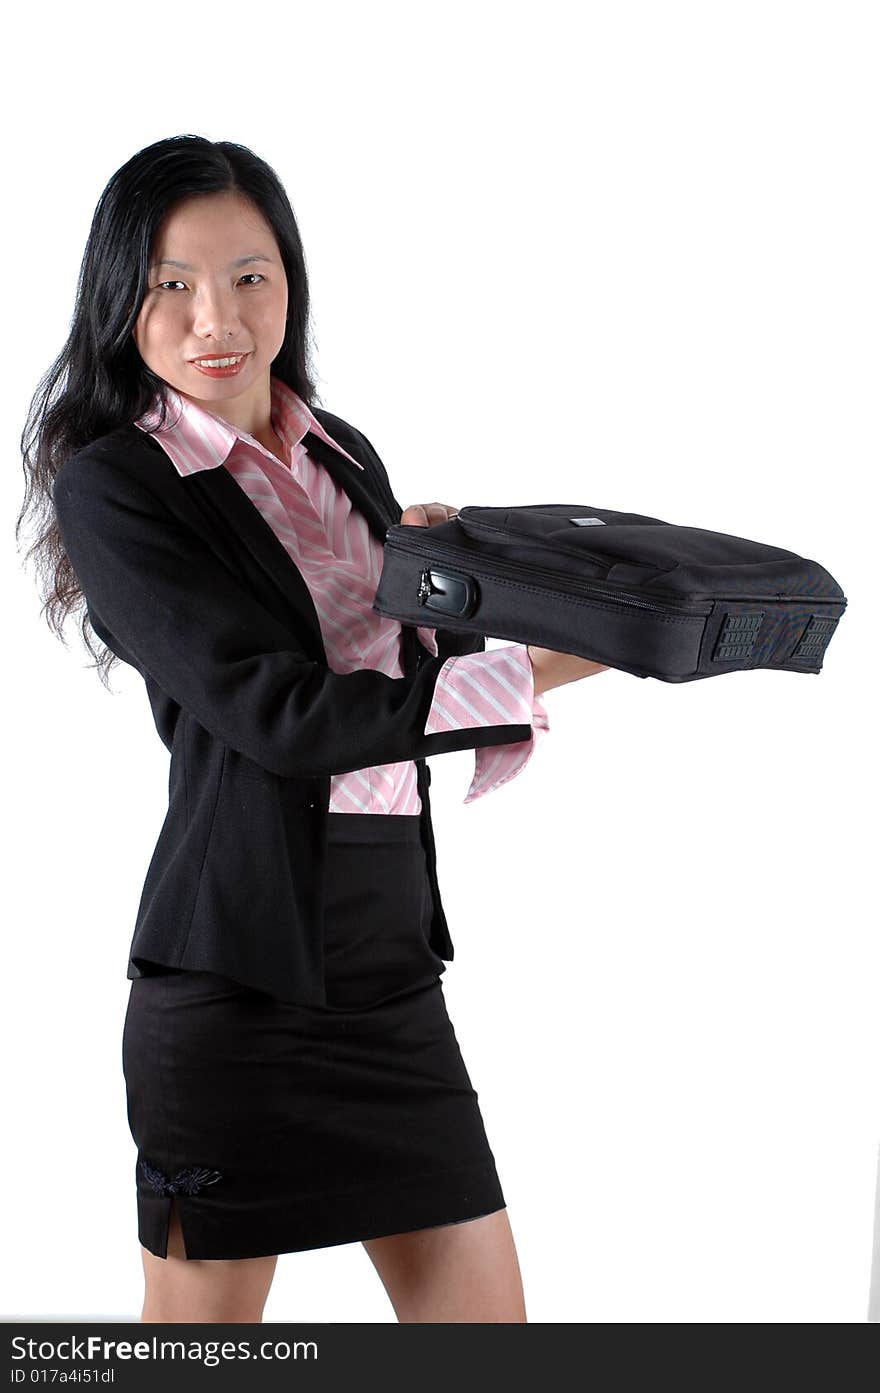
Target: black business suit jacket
(186, 581)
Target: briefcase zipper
(528, 574)
(508, 534)
(491, 531)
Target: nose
(215, 315)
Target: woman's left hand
(427, 514)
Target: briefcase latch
(450, 592)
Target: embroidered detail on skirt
(188, 1181)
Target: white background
(622, 255)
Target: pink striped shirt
(340, 559)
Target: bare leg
(181, 1290)
(457, 1272)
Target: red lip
(229, 353)
(234, 370)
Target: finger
(439, 512)
(427, 514)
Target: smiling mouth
(227, 360)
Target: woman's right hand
(552, 669)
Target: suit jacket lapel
(357, 483)
(249, 540)
(380, 511)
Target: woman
(293, 1079)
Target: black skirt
(279, 1127)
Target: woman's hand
(552, 669)
(426, 514)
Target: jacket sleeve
(181, 617)
(448, 643)
(454, 645)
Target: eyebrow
(185, 266)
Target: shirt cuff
(496, 687)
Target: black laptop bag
(633, 592)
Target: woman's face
(210, 307)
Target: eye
(250, 275)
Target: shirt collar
(195, 438)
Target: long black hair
(99, 381)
